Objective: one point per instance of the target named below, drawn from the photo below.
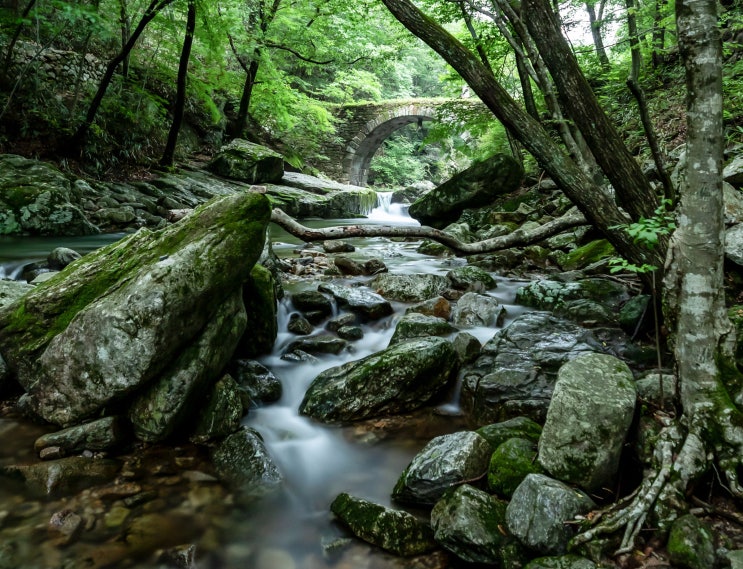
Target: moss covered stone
(259, 296)
(248, 162)
(588, 254)
(519, 427)
(691, 544)
(396, 531)
(510, 463)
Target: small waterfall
(388, 212)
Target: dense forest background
(272, 71)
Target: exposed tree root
(515, 239)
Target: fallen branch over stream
(517, 238)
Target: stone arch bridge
(362, 128)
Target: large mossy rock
(37, 199)
(444, 462)
(116, 320)
(477, 186)
(367, 304)
(409, 288)
(468, 522)
(401, 378)
(248, 162)
(691, 544)
(392, 530)
(591, 411)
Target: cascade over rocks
(476, 186)
(115, 321)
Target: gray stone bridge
(362, 128)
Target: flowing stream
(295, 529)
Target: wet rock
(177, 396)
(691, 544)
(60, 257)
(337, 246)
(518, 427)
(409, 288)
(471, 278)
(444, 462)
(222, 413)
(474, 309)
(416, 325)
(62, 477)
(37, 199)
(299, 325)
(392, 530)
(401, 378)
(466, 521)
(575, 299)
(734, 244)
(467, 347)
(650, 386)
(182, 557)
(517, 369)
(256, 380)
(412, 192)
(85, 342)
(587, 421)
(510, 463)
(586, 255)
(102, 434)
(322, 344)
(368, 305)
(65, 527)
(561, 562)
(248, 162)
(437, 306)
(10, 291)
(243, 462)
(259, 298)
(312, 301)
(477, 186)
(43, 277)
(538, 510)
(632, 312)
(351, 333)
(348, 266)
(374, 267)
(335, 324)
(733, 204)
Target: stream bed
(295, 529)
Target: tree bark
(598, 40)
(598, 207)
(632, 188)
(180, 96)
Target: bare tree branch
(515, 239)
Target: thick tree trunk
(241, 122)
(617, 163)
(180, 96)
(598, 207)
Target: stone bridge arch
(362, 147)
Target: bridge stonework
(361, 129)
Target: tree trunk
(241, 122)
(598, 207)
(11, 44)
(632, 188)
(598, 41)
(125, 29)
(180, 96)
(78, 139)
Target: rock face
(466, 522)
(589, 416)
(444, 462)
(517, 369)
(400, 378)
(475, 309)
(392, 530)
(115, 321)
(37, 199)
(248, 162)
(367, 304)
(477, 186)
(409, 288)
(538, 510)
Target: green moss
(588, 254)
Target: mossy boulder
(561, 562)
(37, 199)
(691, 544)
(222, 413)
(396, 531)
(471, 278)
(259, 297)
(409, 288)
(248, 162)
(444, 462)
(114, 321)
(101, 434)
(401, 378)
(469, 523)
(510, 463)
(518, 427)
(477, 186)
(416, 325)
